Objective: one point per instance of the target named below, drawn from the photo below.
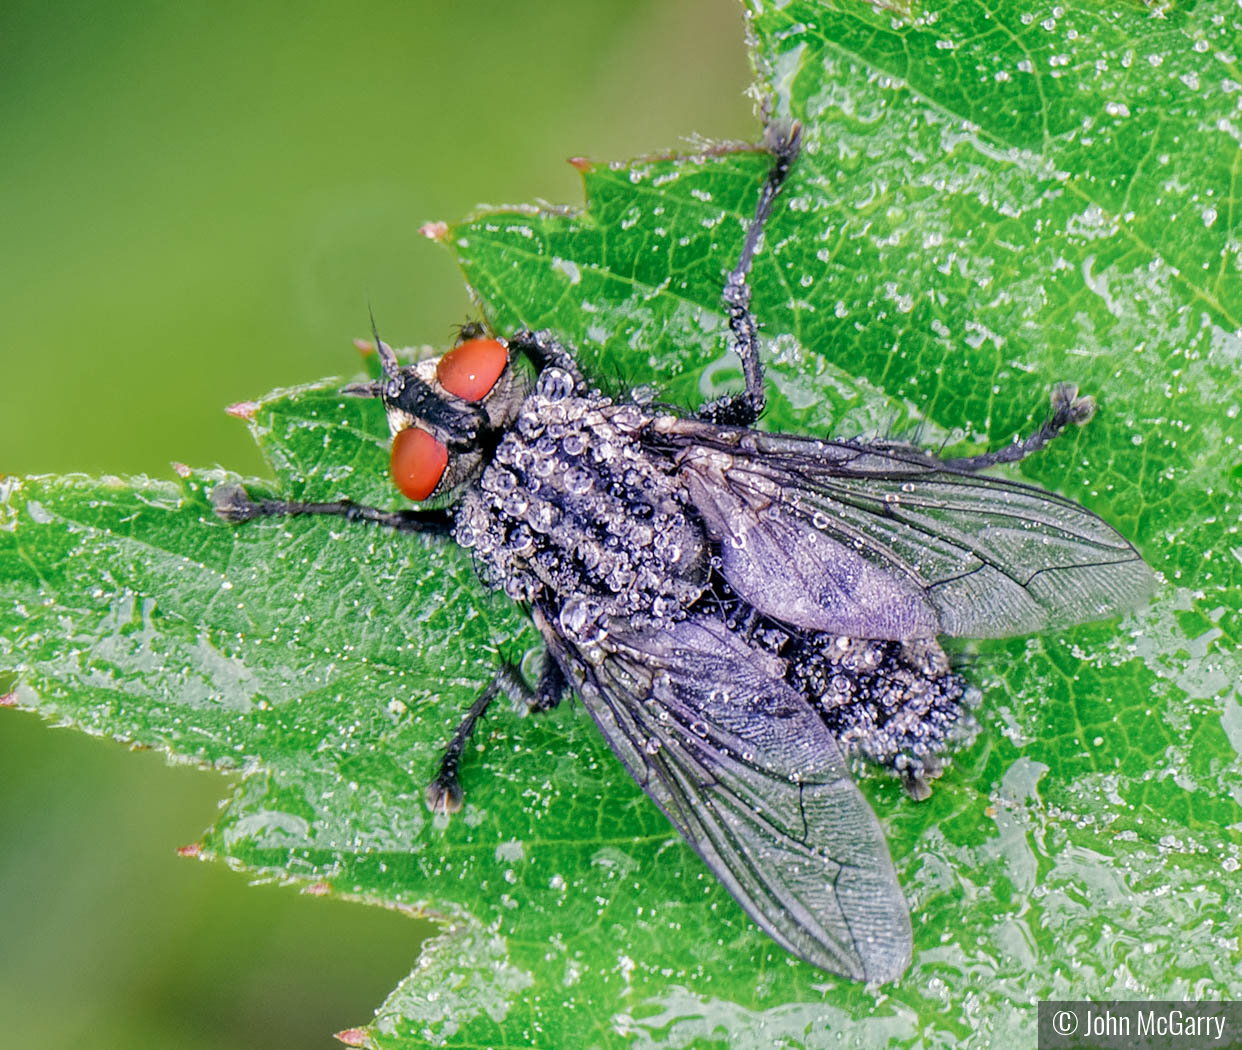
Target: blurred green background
(199, 203)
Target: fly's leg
(551, 688)
(743, 409)
(1067, 408)
(545, 352)
(444, 793)
(233, 504)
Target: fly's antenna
(388, 360)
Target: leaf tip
(193, 849)
(435, 231)
(580, 164)
(243, 410)
(318, 889)
(364, 346)
(8, 700)
(353, 1037)
(180, 469)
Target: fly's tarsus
(1068, 409)
(444, 793)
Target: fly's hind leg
(444, 793)
(783, 141)
(1067, 408)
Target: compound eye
(418, 462)
(470, 371)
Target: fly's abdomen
(573, 507)
(899, 704)
(896, 703)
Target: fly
(740, 612)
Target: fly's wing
(885, 542)
(746, 770)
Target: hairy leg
(233, 504)
(1067, 408)
(743, 409)
(444, 793)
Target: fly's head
(446, 413)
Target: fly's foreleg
(233, 504)
(1067, 409)
(742, 409)
(444, 793)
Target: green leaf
(989, 201)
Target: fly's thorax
(574, 513)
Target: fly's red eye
(418, 461)
(469, 371)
